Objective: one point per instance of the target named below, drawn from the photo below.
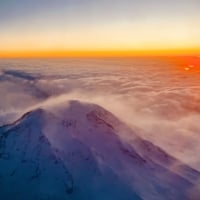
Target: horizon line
(98, 53)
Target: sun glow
(99, 53)
(94, 30)
(185, 63)
(115, 39)
(187, 68)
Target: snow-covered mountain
(75, 151)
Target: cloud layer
(158, 98)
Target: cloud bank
(155, 97)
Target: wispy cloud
(161, 101)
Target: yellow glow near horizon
(94, 53)
(117, 39)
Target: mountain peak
(75, 143)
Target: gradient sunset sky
(54, 27)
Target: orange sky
(94, 53)
(85, 28)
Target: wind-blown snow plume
(74, 150)
(156, 96)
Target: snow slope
(74, 151)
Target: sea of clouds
(154, 95)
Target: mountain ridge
(84, 139)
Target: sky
(54, 27)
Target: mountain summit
(75, 152)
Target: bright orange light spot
(186, 63)
(187, 68)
